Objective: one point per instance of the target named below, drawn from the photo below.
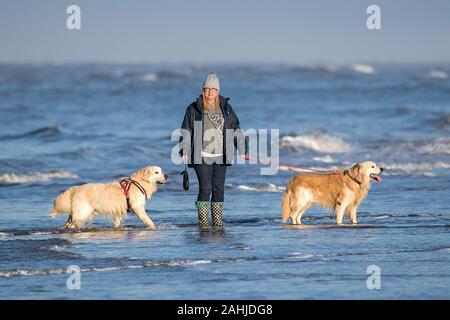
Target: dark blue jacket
(194, 112)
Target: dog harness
(125, 184)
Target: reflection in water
(213, 233)
(323, 225)
(203, 235)
(124, 233)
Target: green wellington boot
(203, 210)
(216, 212)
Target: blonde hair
(206, 105)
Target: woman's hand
(184, 158)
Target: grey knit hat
(212, 81)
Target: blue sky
(243, 31)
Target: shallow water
(71, 124)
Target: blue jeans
(211, 179)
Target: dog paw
(151, 228)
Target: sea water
(64, 125)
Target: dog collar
(354, 179)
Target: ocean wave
(382, 216)
(413, 168)
(437, 74)
(325, 68)
(431, 146)
(318, 142)
(334, 70)
(147, 77)
(44, 132)
(171, 74)
(443, 122)
(325, 159)
(142, 265)
(363, 68)
(105, 74)
(35, 177)
(49, 231)
(391, 169)
(440, 146)
(299, 256)
(143, 77)
(266, 187)
(323, 169)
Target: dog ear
(356, 170)
(147, 173)
(144, 174)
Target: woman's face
(210, 94)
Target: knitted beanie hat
(212, 81)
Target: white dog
(112, 200)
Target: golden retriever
(341, 192)
(84, 202)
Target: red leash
(293, 167)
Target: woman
(211, 116)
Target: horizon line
(196, 63)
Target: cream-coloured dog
(109, 200)
(342, 192)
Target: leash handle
(185, 177)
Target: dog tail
(285, 204)
(62, 203)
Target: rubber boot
(216, 212)
(203, 209)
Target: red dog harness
(126, 184)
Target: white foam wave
(325, 159)
(167, 226)
(268, 187)
(391, 169)
(432, 146)
(172, 263)
(414, 169)
(31, 272)
(57, 248)
(328, 169)
(363, 68)
(317, 142)
(436, 74)
(381, 216)
(34, 177)
(196, 262)
(440, 145)
(299, 255)
(147, 77)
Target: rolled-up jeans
(211, 181)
